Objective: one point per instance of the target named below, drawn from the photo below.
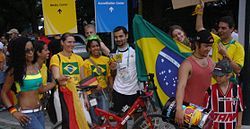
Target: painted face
(204, 49)
(178, 35)
(68, 44)
(94, 49)
(120, 38)
(224, 31)
(44, 53)
(89, 31)
(29, 52)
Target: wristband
(12, 109)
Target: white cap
(13, 30)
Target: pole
(246, 68)
(112, 41)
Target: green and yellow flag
(158, 53)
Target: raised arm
(199, 17)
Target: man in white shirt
(126, 83)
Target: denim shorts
(36, 120)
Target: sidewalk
(8, 122)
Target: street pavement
(9, 122)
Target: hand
(98, 87)
(222, 49)
(86, 103)
(179, 116)
(22, 118)
(238, 127)
(63, 80)
(113, 65)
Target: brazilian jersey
(69, 66)
(102, 74)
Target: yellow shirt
(235, 51)
(103, 64)
(44, 73)
(69, 66)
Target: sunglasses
(29, 50)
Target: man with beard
(126, 83)
(196, 67)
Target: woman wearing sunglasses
(25, 73)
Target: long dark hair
(38, 45)
(18, 59)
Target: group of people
(28, 73)
(218, 56)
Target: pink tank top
(198, 82)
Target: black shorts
(120, 100)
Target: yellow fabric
(235, 51)
(150, 57)
(64, 62)
(44, 73)
(80, 117)
(103, 63)
(74, 62)
(182, 47)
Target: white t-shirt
(126, 81)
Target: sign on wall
(110, 14)
(59, 16)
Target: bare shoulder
(186, 64)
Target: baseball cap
(204, 36)
(13, 30)
(222, 68)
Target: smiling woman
(71, 65)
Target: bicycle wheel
(156, 121)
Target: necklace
(197, 56)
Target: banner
(158, 53)
(59, 16)
(185, 3)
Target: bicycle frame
(140, 102)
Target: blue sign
(110, 14)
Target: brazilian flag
(158, 53)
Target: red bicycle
(147, 120)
